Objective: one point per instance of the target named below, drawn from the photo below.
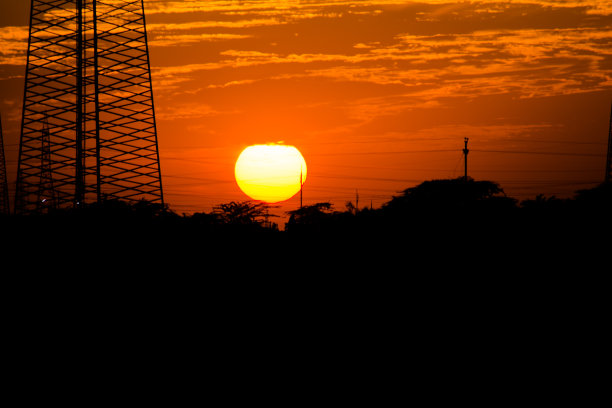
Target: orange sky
(377, 95)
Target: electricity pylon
(46, 197)
(4, 196)
(88, 91)
(608, 178)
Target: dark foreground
(460, 297)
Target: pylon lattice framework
(608, 178)
(88, 84)
(4, 196)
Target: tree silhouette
(310, 214)
(451, 194)
(447, 211)
(309, 217)
(242, 213)
(351, 208)
(599, 198)
(418, 222)
(542, 206)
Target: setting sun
(270, 172)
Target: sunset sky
(377, 95)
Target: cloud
(233, 83)
(462, 61)
(486, 62)
(12, 33)
(181, 111)
(526, 62)
(192, 25)
(13, 45)
(256, 6)
(174, 40)
(603, 7)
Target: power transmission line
(542, 153)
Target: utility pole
(301, 187)
(465, 155)
(356, 201)
(608, 178)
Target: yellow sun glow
(270, 172)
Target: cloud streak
(533, 62)
(13, 45)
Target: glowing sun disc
(270, 172)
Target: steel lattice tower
(608, 178)
(88, 94)
(4, 197)
(46, 196)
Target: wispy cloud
(188, 110)
(233, 83)
(259, 6)
(192, 25)
(603, 7)
(531, 62)
(153, 6)
(13, 45)
(174, 40)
